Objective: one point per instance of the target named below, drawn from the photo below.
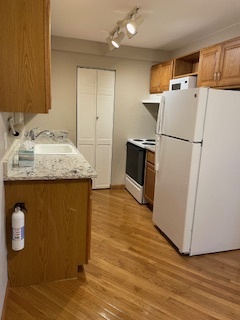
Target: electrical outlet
(5, 140)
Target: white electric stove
(135, 166)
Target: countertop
(47, 167)
(150, 148)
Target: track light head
(132, 26)
(117, 41)
(110, 45)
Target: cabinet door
(25, 56)
(209, 66)
(155, 79)
(149, 182)
(166, 73)
(57, 227)
(229, 71)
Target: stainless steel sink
(54, 149)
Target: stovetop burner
(143, 142)
(149, 143)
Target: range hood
(152, 99)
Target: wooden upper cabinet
(155, 79)
(25, 56)
(186, 65)
(230, 64)
(219, 65)
(208, 66)
(160, 76)
(166, 73)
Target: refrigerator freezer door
(184, 113)
(175, 190)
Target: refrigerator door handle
(157, 152)
(160, 115)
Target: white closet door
(104, 127)
(86, 113)
(95, 105)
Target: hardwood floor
(134, 274)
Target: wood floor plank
(78, 301)
(158, 297)
(22, 309)
(131, 303)
(63, 302)
(134, 274)
(58, 309)
(11, 315)
(99, 306)
(38, 303)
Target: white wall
(131, 117)
(217, 37)
(3, 250)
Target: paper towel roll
(20, 129)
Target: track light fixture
(131, 23)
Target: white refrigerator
(197, 162)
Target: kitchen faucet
(33, 135)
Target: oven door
(135, 165)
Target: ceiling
(168, 24)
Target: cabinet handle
(218, 76)
(215, 76)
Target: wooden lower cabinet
(57, 229)
(149, 177)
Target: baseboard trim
(3, 317)
(117, 186)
